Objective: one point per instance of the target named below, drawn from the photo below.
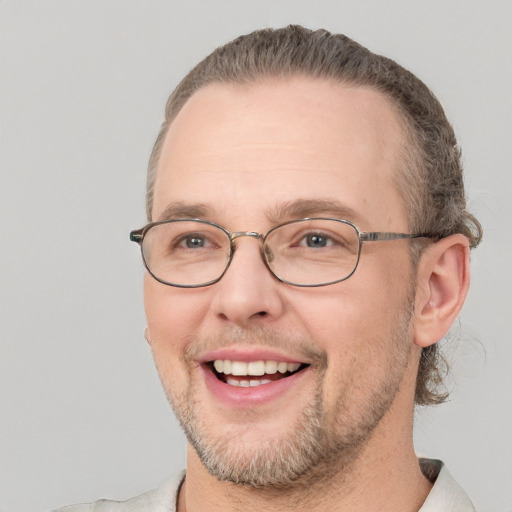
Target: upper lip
(248, 355)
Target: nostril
(261, 313)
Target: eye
(194, 241)
(317, 240)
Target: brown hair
(431, 178)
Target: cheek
(355, 323)
(173, 319)
(336, 317)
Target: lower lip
(235, 396)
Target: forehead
(259, 146)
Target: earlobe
(441, 288)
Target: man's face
(249, 158)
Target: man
(307, 246)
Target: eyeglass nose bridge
(238, 234)
(266, 253)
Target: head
(430, 173)
(278, 126)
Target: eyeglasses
(190, 253)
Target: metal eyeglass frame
(137, 236)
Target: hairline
(408, 155)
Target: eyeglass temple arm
(382, 236)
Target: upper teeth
(257, 368)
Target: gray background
(83, 84)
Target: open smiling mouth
(254, 373)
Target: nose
(248, 294)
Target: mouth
(245, 374)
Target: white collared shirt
(445, 496)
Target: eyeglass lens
(305, 252)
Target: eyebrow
(290, 210)
(302, 208)
(180, 210)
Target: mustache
(262, 337)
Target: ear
(441, 287)
(146, 336)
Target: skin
(244, 153)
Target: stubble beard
(318, 444)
